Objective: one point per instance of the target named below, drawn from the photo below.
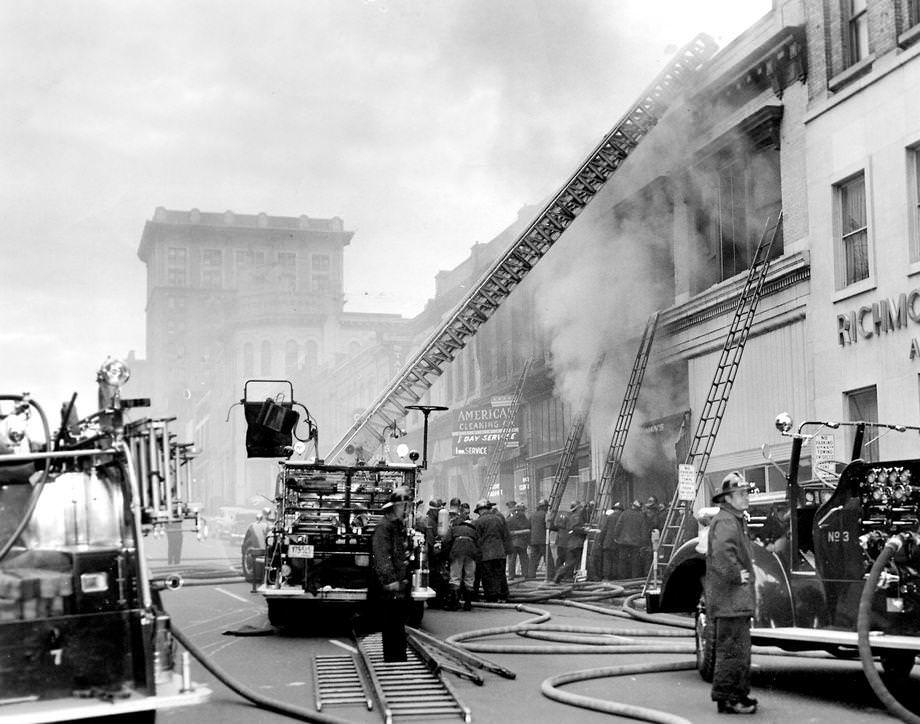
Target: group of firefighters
(480, 548)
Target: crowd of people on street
(472, 552)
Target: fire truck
(83, 633)
(317, 554)
(835, 561)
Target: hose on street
(263, 702)
(862, 630)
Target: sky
(426, 125)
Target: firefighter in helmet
(389, 585)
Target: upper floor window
(740, 194)
(321, 263)
(176, 266)
(853, 231)
(290, 357)
(858, 30)
(248, 361)
(913, 185)
(266, 359)
(212, 268)
(287, 270)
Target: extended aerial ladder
(495, 462)
(607, 483)
(674, 531)
(509, 269)
(569, 450)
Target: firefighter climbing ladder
(681, 508)
(608, 479)
(496, 462)
(572, 441)
(505, 273)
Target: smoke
(615, 267)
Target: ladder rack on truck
(502, 277)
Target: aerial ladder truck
(443, 344)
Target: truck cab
(814, 545)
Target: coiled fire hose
(589, 639)
(862, 629)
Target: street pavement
(279, 665)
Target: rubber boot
(467, 600)
(452, 602)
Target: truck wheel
(416, 613)
(280, 613)
(248, 565)
(897, 664)
(705, 642)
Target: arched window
(266, 358)
(311, 355)
(248, 361)
(290, 358)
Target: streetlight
(425, 410)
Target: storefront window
(913, 183)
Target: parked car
(231, 522)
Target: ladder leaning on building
(606, 485)
(674, 531)
(502, 277)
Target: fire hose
(263, 702)
(862, 628)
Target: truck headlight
(94, 582)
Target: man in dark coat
(608, 544)
(537, 537)
(577, 522)
(462, 546)
(493, 541)
(630, 533)
(730, 597)
(389, 586)
(519, 528)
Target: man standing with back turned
(730, 597)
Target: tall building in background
(233, 297)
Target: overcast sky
(424, 124)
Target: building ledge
(909, 37)
(722, 299)
(857, 70)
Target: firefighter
(730, 597)
(577, 522)
(519, 528)
(493, 540)
(390, 583)
(537, 537)
(630, 533)
(608, 544)
(462, 545)
(174, 542)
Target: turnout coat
(729, 552)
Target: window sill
(909, 37)
(857, 70)
(913, 268)
(860, 287)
